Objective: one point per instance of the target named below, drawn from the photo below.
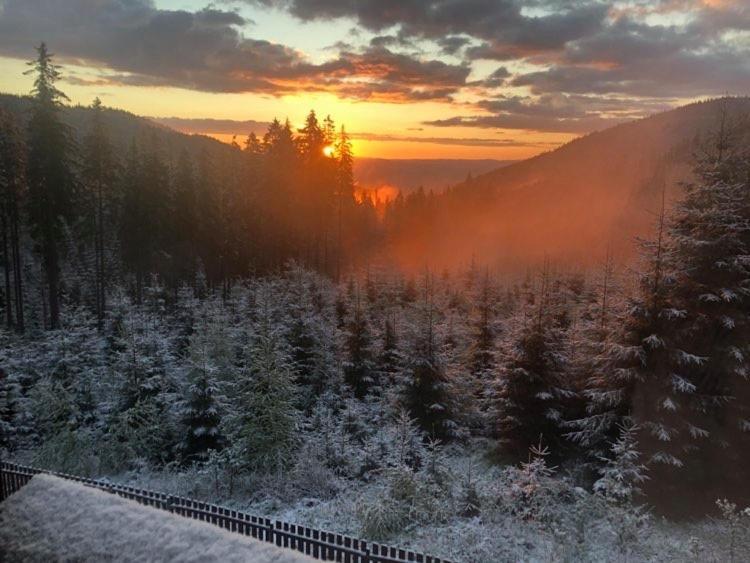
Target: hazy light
(328, 151)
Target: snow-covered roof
(51, 519)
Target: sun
(328, 150)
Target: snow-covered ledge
(51, 519)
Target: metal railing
(318, 544)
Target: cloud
(677, 75)
(528, 122)
(557, 113)
(453, 44)
(206, 50)
(503, 26)
(206, 126)
(498, 77)
(697, 59)
(455, 141)
(637, 48)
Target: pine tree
(359, 371)
(425, 395)
(185, 207)
(98, 174)
(201, 416)
(312, 139)
(603, 396)
(710, 240)
(142, 424)
(622, 473)
(695, 410)
(344, 192)
(643, 359)
(482, 354)
(532, 393)
(144, 212)
(390, 360)
(51, 186)
(266, 424)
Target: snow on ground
(51, 519)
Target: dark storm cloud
(206, 50)
(506, 31)
(632, 58)
(452, 44)
(678, 74)
(499, 77)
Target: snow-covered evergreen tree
(602, 401)
(709, 241)
(532, 394)
(622, 472)
(266, 423)
(425, 394)
(643, 358)
(143, 424)
(201, 415)
(359, 369)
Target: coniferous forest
(229, 322)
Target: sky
(502, 79)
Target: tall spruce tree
(98, 175)
(50, 180)
(699, 410)
(344, 193)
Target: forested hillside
(574, 204)
(155, 202)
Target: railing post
(269, 532)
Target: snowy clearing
(51, 519)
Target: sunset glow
(403, 86)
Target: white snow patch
(51, 519)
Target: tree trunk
(6, 272)
(15, 248)
(100, 290)
(52, 272)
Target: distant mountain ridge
(370, 173)
(410, 174)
